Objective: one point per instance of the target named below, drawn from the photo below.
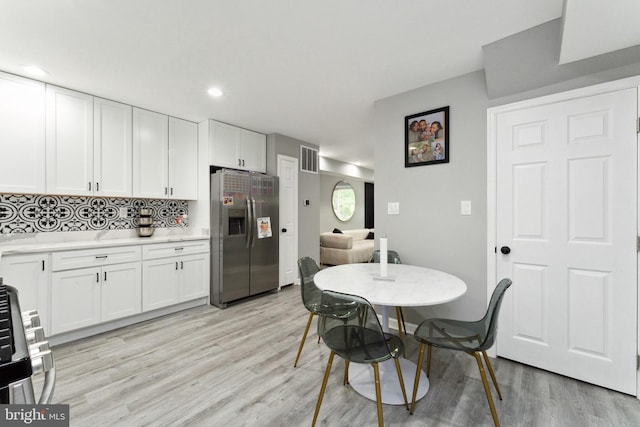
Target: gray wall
(308, 189)
(328, 221)
(429, 231)
(528, 61)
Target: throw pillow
(369, 236)
(335, 230)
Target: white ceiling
(307, 69)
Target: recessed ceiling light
(214, 91)
(34, 70)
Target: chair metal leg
(404, 392)
(493, 376)
(417, 380)
(402, 330)
(304, 337)
(345, 381)
(487, 391)
(376, 375)
(429, 360)
(323, 388)
(400, 315)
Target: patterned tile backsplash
(36, 213)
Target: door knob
(505, 250)
(284, 230)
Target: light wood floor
(234, 367)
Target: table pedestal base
(362, 381)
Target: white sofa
(348, 247)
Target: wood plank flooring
(234, 367)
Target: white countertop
(13, 247)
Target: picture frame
(426, 137)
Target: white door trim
(492, 114)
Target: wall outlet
(123, 212)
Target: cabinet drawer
(165, 250)
(83, 258)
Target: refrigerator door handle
(250, 220)
(255, 222)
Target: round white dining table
(403, 286)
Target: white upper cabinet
(89, 145)
(150, 154)
(22, 135)
(254, 151)
(69, 142)
(183, 159)
(165, 156)
(112, 148)
(237, 148)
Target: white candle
(383, 257)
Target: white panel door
(150, 154)
(22, 135)
(112, 148)
(566, 209)
(69, 142)
(183, 159)
(288, 178)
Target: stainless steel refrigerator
(244, 235)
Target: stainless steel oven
(24, 352)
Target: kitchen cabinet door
(22, 135)
(69, 141)
(75, 299)
(121, 291)
(159, 283)
(30, 275)
(225, 145)
(254, 151)
(150, 154)
(194, 276)
(183, 159)
(113, 148)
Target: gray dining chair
(473, 338)
(310, 295)
(350, 328)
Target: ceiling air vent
(308, 159)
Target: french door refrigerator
(244, 235)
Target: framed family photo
(426, 138)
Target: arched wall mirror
(343, 201)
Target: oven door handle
(42, 358)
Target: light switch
(123, 212)
(465, 207)
(393, 208)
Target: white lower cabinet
(160, 284)
(29, 274)
(84, 288)
(88, 296)
(92, 286)
(174, 273)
